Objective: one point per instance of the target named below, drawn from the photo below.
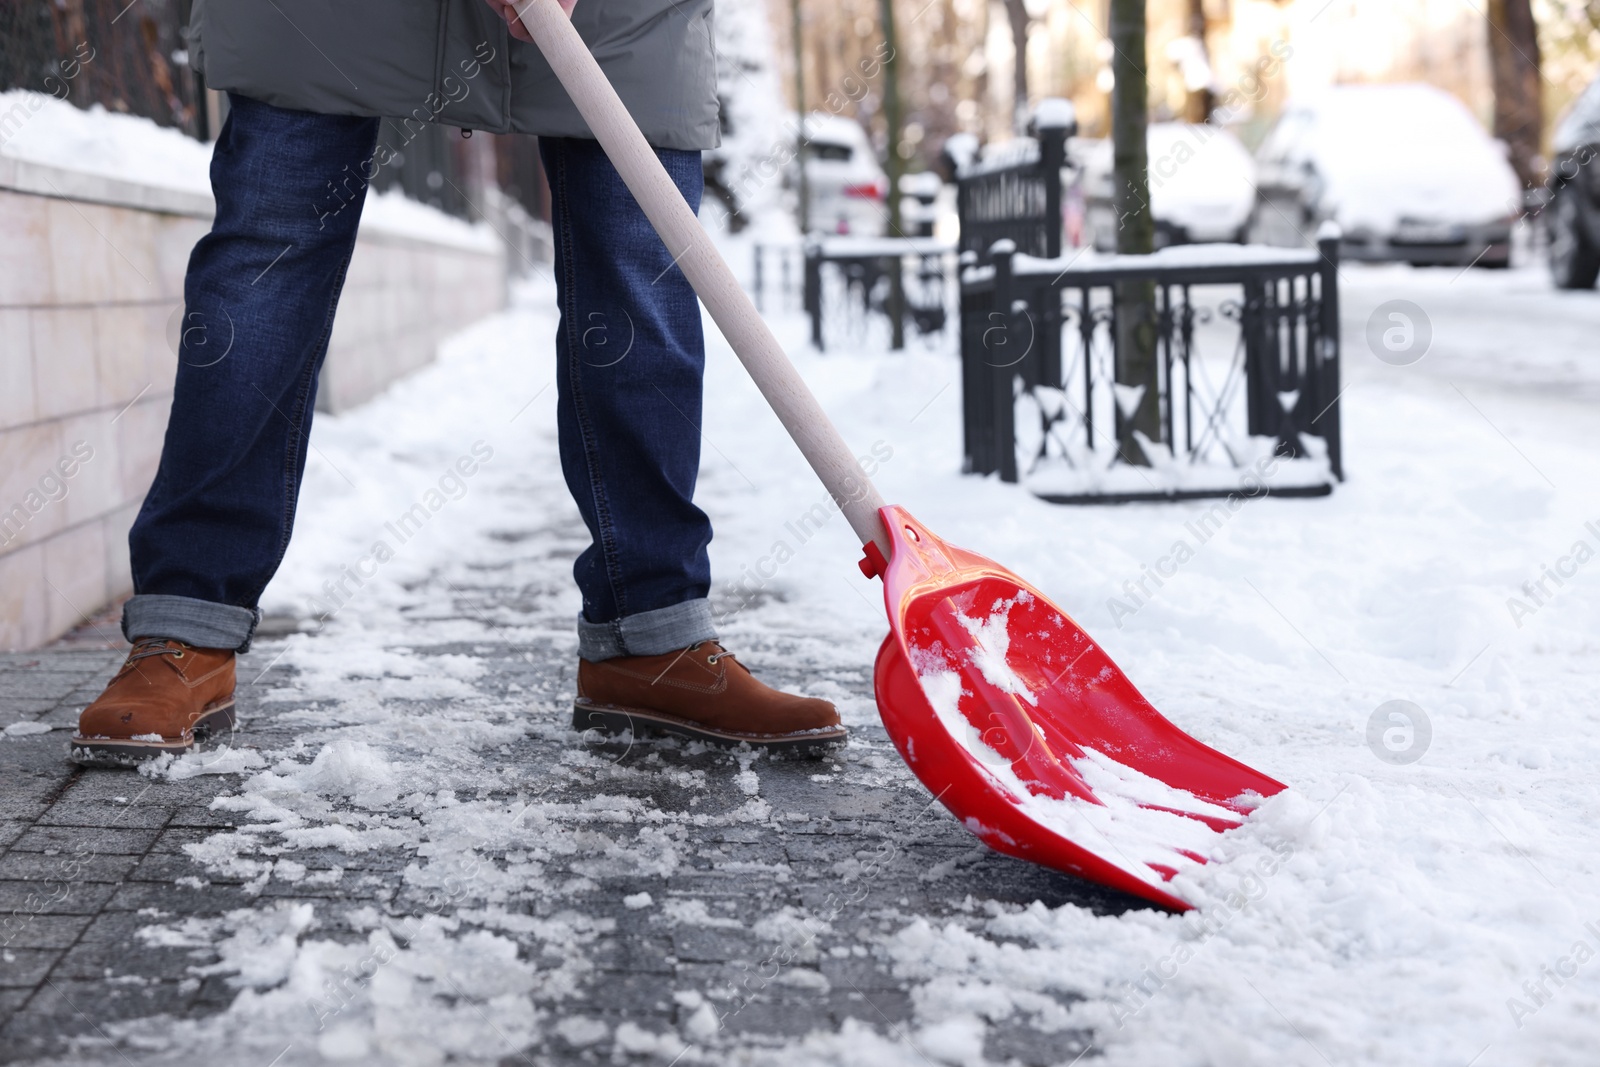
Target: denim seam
(607, 531)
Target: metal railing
(847, 288)
(1246, 343)
(127, 58)
(1015, 195)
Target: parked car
(1572, 214)
(1405, 170)
(1202, 185)
(847, 189)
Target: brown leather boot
(700, 692)
(166, 694)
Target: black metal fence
(1015, 196)
(775, 274)
(846, 289)
(130, 58)
(1247, 346)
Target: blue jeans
(260, 296)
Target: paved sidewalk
(850, 852)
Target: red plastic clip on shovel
(1012, 715)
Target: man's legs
(629, 362)
(259, 300)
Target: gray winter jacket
(454, 62)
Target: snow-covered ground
(1441, 910)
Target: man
(308, 82)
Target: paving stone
(633, 954)
(118, 841)
(1036, 1048)
(194, 816)
(120, 927)
(857, 973)
(177, 838)
(40, 684)
(71, 811)
(760, 1015)
(26, 967)
(176, 899)
(25, 802)
(25, 706)
(167, 867)
(28, 1034)
(877, 1007)
(97, 960)
(43, 898)
(30, 930)
(71, 866)
(709, 944)
(109, 1000)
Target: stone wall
(91, 281)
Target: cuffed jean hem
(649, 633)
(200, 623)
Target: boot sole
(612, 720)
(126, 752)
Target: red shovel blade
(1023, 727)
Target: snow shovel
(1016, 720)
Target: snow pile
(127, 148)
(96, 141)
(413, 992)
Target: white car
(847, 189)
(1405, 170)
(1202, 186)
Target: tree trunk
(1135, 320)
(894, 166)
(1017, 14)
(1514, 67)
(797, 41)
(1198, 103)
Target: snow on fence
(1247, 349)
(1246, 341)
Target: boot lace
(723, 654)
(146, 647)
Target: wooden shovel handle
(694, 253)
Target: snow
(847, 245)
(1378, 148)
(1122, 829)
(127, 148)
(1054, 113)
(1372, 913)
(998, 155)
(1201, 178)
(1187, 255)
(96, 141)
